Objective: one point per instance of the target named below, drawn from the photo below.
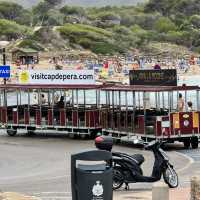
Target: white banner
(57, 77)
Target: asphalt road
(40, 165)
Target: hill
(85, 3)
(107, 30)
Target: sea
(162, 99)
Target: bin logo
(97, 189)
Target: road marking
(54, 198)
(190, 162)
(36, 178)
(195, 154)
(38, 193)
(52, 195)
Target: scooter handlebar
(148, 145)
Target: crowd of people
(107, 67)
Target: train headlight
(186, 123)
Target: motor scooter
(127, 168)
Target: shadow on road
(43, 135)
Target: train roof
(18, 86)
(106, 87)
(145, 88)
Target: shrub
(72, 10)
(108, 16)
(12, 30)
(164, 25)
(195, 21)
(30, 44)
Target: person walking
(180, 103)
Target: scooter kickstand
(127, 186)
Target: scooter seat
(138, 158)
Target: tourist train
(123, 111)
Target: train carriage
(23, 107)
(151, 112)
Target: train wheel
(93, 134)
(30, 133)
(11, 132)
(186, 143)
(83, 136)
(72, 136)
(194, 142)
(117, 140)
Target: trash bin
(92, 182)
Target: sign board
(164, 77)
(4, 71)
(57, 77)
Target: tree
(188, 7)
(55, 18)
(109, 16)
(41, 11)
(53, 3)
(168, 7)
(10, 10)
(195, 21)
(164, 25)
(72, 10)
(12, 30)
(127, 20)
(163, 6)
(15, 12)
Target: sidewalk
(15, 196)
(175, 194)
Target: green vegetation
(11, 30)
(106, 30)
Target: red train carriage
(151, 112)
(38, 107)
(124, 112)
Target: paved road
(40, 165)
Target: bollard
(195, 188)
(160, 191)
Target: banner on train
(57, 77)
(164, 77)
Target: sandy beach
(111, 74)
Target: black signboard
(164, 77)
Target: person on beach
(43, 99)
(180, 103)
(190, 106)
(157, 66)
(61, 103)
(56, 98)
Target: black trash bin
(92, 182)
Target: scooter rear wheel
(170, 177)
(118, 178)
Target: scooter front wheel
(118, 178)
(170, 177)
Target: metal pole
(4, 61)
(163, 100)
(145, 113)
(197, 100)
